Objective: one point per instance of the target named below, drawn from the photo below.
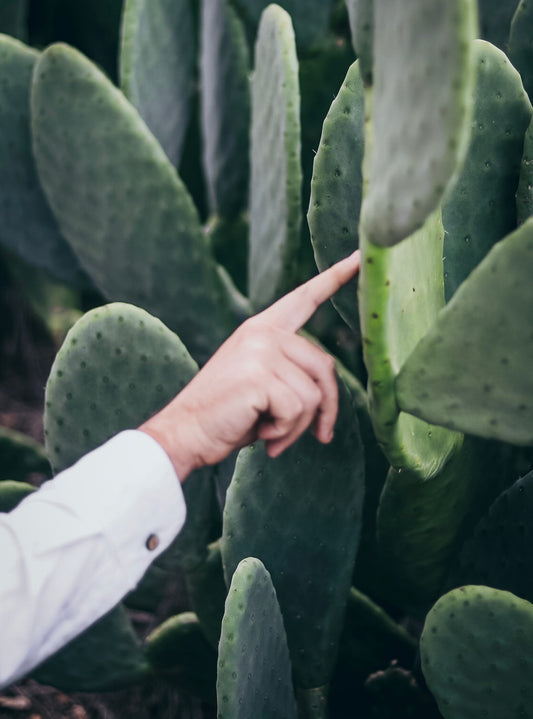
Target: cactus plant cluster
(416, 510)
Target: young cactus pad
(423, 77)
(121, 204)
(361, 17)
(254, 669)
(310, 499)
(481, 208)
(400, 295)
(520, 43)
(225, 95)
(337, 187)
(476, 654)
(157, 67)
(471, 371)
(28, 227)
(276, 177)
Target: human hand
(265, 382)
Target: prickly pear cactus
(225, 104)
(361, 17)
(13, 492)
(120, 203)
(254, 669)
(481, 208)
(434, 72)
(24, 212)
(468, 372)
(275, 199)
(524, 195)
(520, 48)
(497, 553)
(476, 654)
(21, 455)
(317, 525)
(337, 187)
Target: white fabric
(71, 550)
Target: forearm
(72, 550)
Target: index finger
(292, 311)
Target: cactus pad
(310, 499)
(157, 67)
(120, 203)
(476, 654)
(400, 295)
(21, 455)
(28, 226)
(310, 17)
(495, 18)
(117, 367)
(423, 78)
(254, 669)
(524, 196)
(275, 191)
(521, 45)
(337, 186)
(497, 554)
(481, 208)
(361, 17)
(225, 94)
(471, 371)
(13, 492)
(107, 656)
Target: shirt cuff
(128, 490)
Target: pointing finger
(293, 310)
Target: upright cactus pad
(423, 77)
(310, 17)
(524, 195)
(481, 208)
(520, 48)
(400, 295)
(275, 190)
(300, 514)
(120, 203)
(157, 67)
(361, 17)
(497, 554)
(495, 17)
(21, 455)
(471, 371)
(476, 654)
(28, 227)
(225, 97)
(254, 669)
(337, 186)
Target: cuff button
(152, 542)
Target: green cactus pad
(157, 66)
(177, 650)
(275, 191)
(481, 208)
(422, 523)
(254, 669)
(117, 367)
(361, 16)
(524, 195)
(207, 591)
(423, 78)
(21, 455)
(400, 295)
(12, 492)
(471, 371)
(28, 227)
(310, 17)
(497, 554)
(107, 656)
(476, 654)
(14, 18)
(337, 186)
(521, 44)
(300, 514)
(120, 203)
(495, 18)
(225, 95)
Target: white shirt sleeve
(70, 551)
